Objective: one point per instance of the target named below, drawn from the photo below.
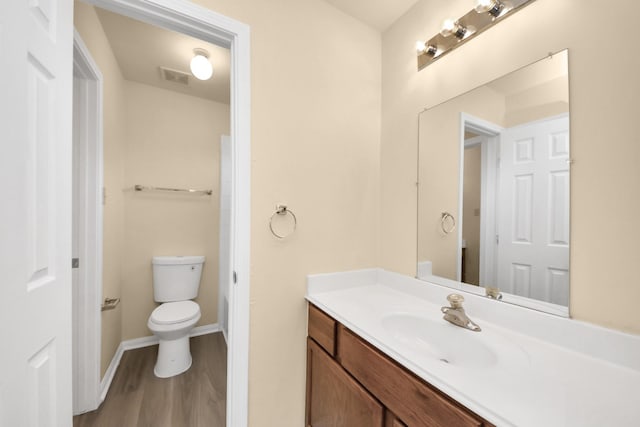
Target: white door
(533, 217)
(35, 217)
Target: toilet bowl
(175, 283)
(171, 322)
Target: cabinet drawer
(322, 329)
(408, 397)
(334, 398)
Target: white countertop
(539, 370)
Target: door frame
(199, 22)
(490, 164)
(87, 118)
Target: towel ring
(443, 222)
(282, 210)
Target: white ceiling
(379, 14)
(141, 49)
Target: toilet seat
(175, 312)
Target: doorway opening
(479, 145)
(186, 18)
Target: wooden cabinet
(334, 398)
(351, 383)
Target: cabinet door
(334, 398)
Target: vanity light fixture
(200, 66)
(484, 15)
(492, 7)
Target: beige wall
(88, 26)
(173, 140)
(604, 142)
(315, 145)
(544, 100)
(315, 98)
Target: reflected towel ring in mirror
(282, 210)
(447, 218)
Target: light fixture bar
(456, 32)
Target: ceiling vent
(175, 76)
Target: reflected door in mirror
(533, 211)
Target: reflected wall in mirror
(493, 198)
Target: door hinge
(75, 262)
(235, 277)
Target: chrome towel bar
(175, 190)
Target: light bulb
(200, 66)
(484, 5)
(427, 49)
(493, 7)
(449, 27)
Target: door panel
(35, 64)
(533, 211)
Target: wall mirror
(493, 193)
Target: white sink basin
(447, 343)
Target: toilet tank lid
(177, 260)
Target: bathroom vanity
(380, 354)
(351, 383)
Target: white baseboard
(205, 329)
(139, 343)
(110, 373)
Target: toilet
(176, 280)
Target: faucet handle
(455, 300)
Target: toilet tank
(176, 278)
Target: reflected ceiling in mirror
(493, 198)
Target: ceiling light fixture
(493, 7)
(200, 66)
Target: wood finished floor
(192, 399)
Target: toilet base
(174, 357)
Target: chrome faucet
(456, 315)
